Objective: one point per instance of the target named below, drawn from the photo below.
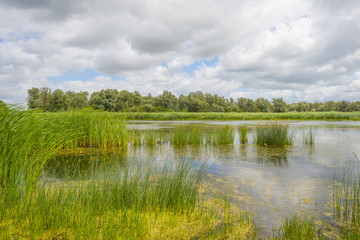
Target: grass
(309, 138)
(298, 227)
(243, 134)
(274, 135)
(241, 116)
(138, 200)
(180, 136)
(346, 199)
(224, 136)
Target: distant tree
(33, 99)
(196, 105)
(58, 101)
(77, 100)
(263, 105)
(167, 100)
(217, 108)
(279, 105)
(245, 104)
(44, 99)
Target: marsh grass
(243, 134)
(346, 199)
(274, 135)
(224, 135)
(151, 137)
(196, 136)
(309, 138)
(180, 136)
(298, 227)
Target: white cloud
(298, 50)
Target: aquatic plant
(180, 136)
(274, 134)
(309, 138)
(346, 199)
(298, 227)
(196, 136)
(150, 137)
(243, 134)
(224, 135)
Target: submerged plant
(274, 135)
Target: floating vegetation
(274, 135)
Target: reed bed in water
(346, 199)
(243, 134)
(136, 201)
(309, 138)
(224, 136)
(274, 135)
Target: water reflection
(273, 156)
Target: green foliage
(274, 135)
(279, 106)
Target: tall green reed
(298, 227)
(309, 138)
(224, 135)
(274, 134)
(243, 134)
(346, 198)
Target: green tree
(59, 101)
(279, 105)
(167, 100)
(263, 105)
(77, 100)
(33, 99)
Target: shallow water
(269, 182)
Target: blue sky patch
(32, 35)
(84, 76)
(195, 65)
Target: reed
(274, 135)
(224, 136)
(298, 227)
(180, 136)
(309, 138)
(196, 136)
(243, 134)
(346, 198)
(151, 137)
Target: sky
(300, 50)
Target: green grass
(298, 227)
(346, 199)
(180, 136)
(274, 135)
(309, 138)
(243, 134)
(241, 116)
(137, 200)
(224, 135)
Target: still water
(268, 182)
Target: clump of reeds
(298, 227)
(243, 134)
(196, 136)
(180, 136)
(309, 138)
(224, 136)
(346, 198)
(150, 137)
(274, 134)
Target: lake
(268, 182)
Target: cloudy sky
(300, 50)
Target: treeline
(124, 101)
